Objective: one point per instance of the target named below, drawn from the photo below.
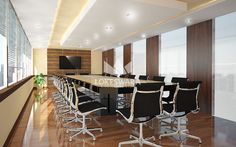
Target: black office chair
(84, 110)
(158, 78)
(70, 73)
(131, 76)
(143, 77)
(113, 75)
(123, 76)
(145, 105)
(84, 73)
(178, 79)
(169, 100)
(186, 101)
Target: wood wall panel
(152, 56)
(53, 61)
(199, 61)
(108, 57)
(127, 58)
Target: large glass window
(139, 57)
(173, 54)
(3, 62)
(12, 50)
(225, 66)
(119, 60)
(15, 48)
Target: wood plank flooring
(39, 128)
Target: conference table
(109, 88)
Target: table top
(112, 82)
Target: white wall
(40, 61)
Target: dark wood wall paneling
(108, 57)
(127, 58)
(200, 60)
(152, 56)
(53, 61)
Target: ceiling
(104, 24)
(36, 17)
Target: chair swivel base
(140, 140)
(84, 131)
(181, 132)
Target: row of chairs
(146, 77)
(147, 103)
(69, 101)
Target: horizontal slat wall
(53, 61)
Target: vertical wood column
(200, 50)
(127, 58)
(108, 57)
(152, 56)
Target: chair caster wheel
(70, 139)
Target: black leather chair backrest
(74, 97)
(143, 77)
(186, 99)
(84, 73)
(131, 76)
(172, 90)
(123, 76)
(158, 78)
(178, 79)
(147, 101)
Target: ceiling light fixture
(96, 36)
(87, 42)
(108, 28)
(130, 15)
(143, 36)
(188, 21)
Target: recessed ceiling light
(188, 21)
(143, 36)
(108, 28)
(129, 14)
(87, 42)
(96, 36)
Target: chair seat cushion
(91, 106)
(85, 99)
(80, 93)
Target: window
(12, 50)
(173, 54)
(119, 60)
(15, 48)
(225, 66)
(3, 62)
(139, 57)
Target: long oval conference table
(109, 88)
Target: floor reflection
(40, 128)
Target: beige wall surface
(96, 62)
(40, 61)
(10, 109)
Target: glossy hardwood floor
(39, 128)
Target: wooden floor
(39, 128)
